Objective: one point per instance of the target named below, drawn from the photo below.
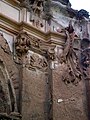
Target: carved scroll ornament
(71, 71)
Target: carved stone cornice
(14, 27)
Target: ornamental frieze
(25, 42)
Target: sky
(81, 4)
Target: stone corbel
(22, 44)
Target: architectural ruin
(44, 61)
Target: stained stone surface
(34, 92)
(33, 100)
(68, 100)
(73, 105)
(8, 80)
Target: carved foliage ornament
(34, 62)
(72, 72)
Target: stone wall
(34, 91)
(69, 88)
(41, 78)
(9, 82)
(69, 101)
(44, 85)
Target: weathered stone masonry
(44, 64)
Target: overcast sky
(81, 4)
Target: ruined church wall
(37, 79)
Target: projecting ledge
(14, 27)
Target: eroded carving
(34, 62)
(38, 7)
(85, 61)
(22, 44)
(47, 10)
(72, 72)
(44, 47)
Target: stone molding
(15, 27)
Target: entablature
(14, 27)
